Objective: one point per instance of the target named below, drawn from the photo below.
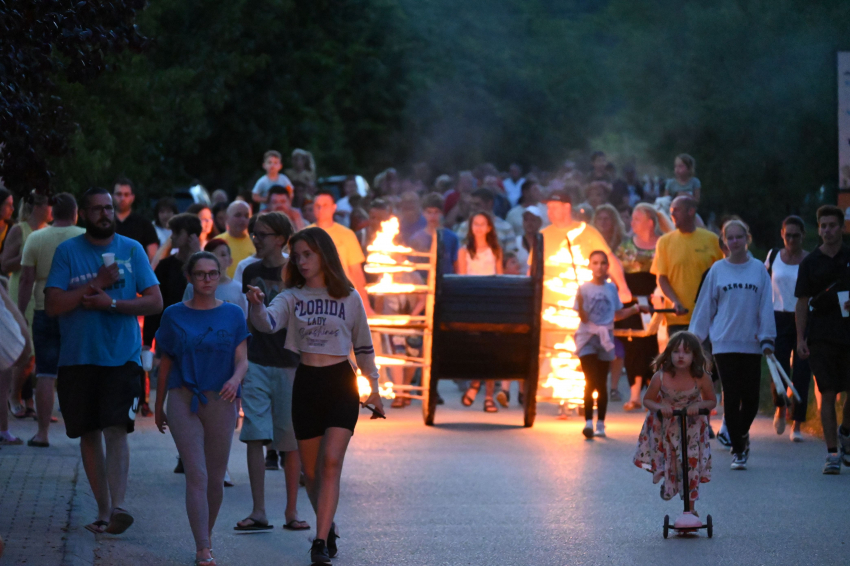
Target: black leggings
(595, 379)
(786, 342)
(741, 378)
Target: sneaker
(587, 431)
(271, 460)
(844, 447)
(723, 438)
(739, 462)
(779, 420)
(796, 436)
(600, 429)
(178, 469)
(711, 433)
(503, 398)
(615, 395)
(319, 552)
(227, 481)
(747, 446)
(832, 466)
(333, 550)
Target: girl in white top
(782, 265)
(482, 255)
(325, 319)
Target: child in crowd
(272, 166)
(683, 181)
(598, 305)
(511, 265)
(681, 382)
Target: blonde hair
(311, 163)
(740, 223)
(619, 227)
(688, 162)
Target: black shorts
(640, 352)
(324, 397)
(831, 365)
(96, 397)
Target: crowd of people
(250, 308)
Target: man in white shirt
(514, 183)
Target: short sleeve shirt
(421, 242)
(38, 253)
(240, 248)
(817, 272)
(683, 259)
(267, 349)
(600, 302)
(95, 337)
(202, 344)
(137, 228)
(347, 246)
(263, 184)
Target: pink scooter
(687, 523)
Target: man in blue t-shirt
(432, 210)
(93, 288)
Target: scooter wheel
(666, 525)
(709, 527)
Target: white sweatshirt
(317, 323)
(735, 308)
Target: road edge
(79, 544)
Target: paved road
(480, 489)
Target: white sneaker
(796, 435)
(600, 429)
(779, 421)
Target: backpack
(771, 257)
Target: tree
(46, 42)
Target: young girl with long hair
(481, 255)
(681, 382)
(325, 319)
(204, 345)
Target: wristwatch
(114, 306)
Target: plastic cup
(108, 259)
(147, 360)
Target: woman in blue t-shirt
(204, 342)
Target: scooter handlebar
(684, 412)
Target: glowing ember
(386, 285)
(565, 378)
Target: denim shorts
(45, 338)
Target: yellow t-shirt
(347, 246)
(38, 253)
(683, 259)
(240, 248)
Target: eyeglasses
(108, 209)
(261, 235)
(204, 275)
(792, 236)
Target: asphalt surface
(480, 489)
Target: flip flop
(256, 526)
(292, 525)
(6, 442)
(37, 443)
(119, 522)
(98, 527)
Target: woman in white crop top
(783, 265)
(325, 319)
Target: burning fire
(365, 388)
(381, 261)
(566, 378)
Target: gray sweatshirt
(317, 323)
(735, 308)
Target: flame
(386, 285)
(365, 388)
(384, 239)
(566, 378)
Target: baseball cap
(559, 195)
(533, 210)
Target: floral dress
(659, 441)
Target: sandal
(297, 525)
(18, 411)
(631, 406)
(467, 400)
(98, 527)
(490, 406)
(119, 522)
(398, 403)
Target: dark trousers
(786, 343)
(595, 379)
(740, 375)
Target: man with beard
(92, 287)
